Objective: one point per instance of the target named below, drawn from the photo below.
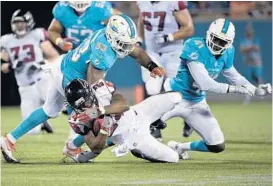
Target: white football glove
(263, 89)
(241, 90)
(160, 39)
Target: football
(97, 124)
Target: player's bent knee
(216, 148)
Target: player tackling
(202, 60)
(90, 61)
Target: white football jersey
(158, 19)
(103, 91)
(25, 54)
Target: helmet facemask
(19, 27)
(217, 45)
(80, 6)
(122, 48)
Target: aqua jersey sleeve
(230, 58)
(192, 51)
(59, 11)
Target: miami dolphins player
(78, 20)
(90, 61)
(202, 60)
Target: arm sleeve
(235, 78)
(203, 80)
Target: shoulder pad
(59, 10)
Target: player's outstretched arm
(144, 60)
(235, 78)
(118, 105)
(206, 83)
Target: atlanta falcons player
(22, 51)
(163, 25)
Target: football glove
(160, 39)
(263, 89)
(240, 90)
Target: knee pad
(216, 148)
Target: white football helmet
(121, 33)
(220, 36)
(80, 6)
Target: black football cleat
(46, 127)
(187, 130)
(158, 124)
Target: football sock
(78, 141)
(37, 117)
(199, 146)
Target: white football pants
(169, 61)
(134, 127)
(199, 117)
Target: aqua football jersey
(80, 27)
(195, 49)
(95, 51)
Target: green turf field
(246, 160)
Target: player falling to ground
(22, 51)
(250, 48)
(202, 60)
(132, 128)
(163, 25)
(90, 61)
(78, 20)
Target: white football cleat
(183, 154)
(7, 148)
(71, 153)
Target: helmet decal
(226, 26)
(128, 20)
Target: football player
(202, 60)
(22, 51)
(163, 25)
(78, 20)
(89, 61)
(131, 130)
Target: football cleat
(7, 148)
(85, 157)
(183, 154)
(47, 127)
(156, 133)
(71, 153)
(187, 130)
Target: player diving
(90, 61)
